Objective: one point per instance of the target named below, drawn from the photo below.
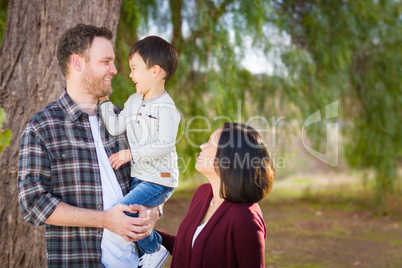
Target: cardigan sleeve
(249, 241)
(167, 241)
(115, 123)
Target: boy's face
(140, 74)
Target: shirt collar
(154, 99)
(70, 106)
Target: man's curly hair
(77, 40)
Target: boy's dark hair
(77, 40)
(244, 164)
(156, 51)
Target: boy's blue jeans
(151, 195)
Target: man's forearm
(66, 215)
(114, 219)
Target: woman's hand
(120, 158)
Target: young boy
(151, 121)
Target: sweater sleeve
(115, 124)
(250, 241)
(164, 139)
(167, 241)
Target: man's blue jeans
(151, 195)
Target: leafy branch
(5, 134)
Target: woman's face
(206, 161)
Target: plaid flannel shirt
(58, 162)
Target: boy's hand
(102, 99)
(120, 158)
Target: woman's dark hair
(244, 164)
(77, 40)
(156, 51)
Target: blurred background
(320, 80)
(274, 65)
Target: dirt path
(310, 234)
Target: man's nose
(113, 69)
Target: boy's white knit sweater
(151, 127)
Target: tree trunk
(29, 80)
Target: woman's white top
(198, 231)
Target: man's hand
(115, 220)
(144, 212)
(130, 228)
(120, 158)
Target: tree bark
(29, 80)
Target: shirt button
(99, 206)
(143, 105)
(138, 121)
(140, 113)
(63, 155)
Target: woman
(224, 226)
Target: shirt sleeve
(164, 138)
(34, 179)
(115, 123)
(250, 242)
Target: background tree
(350, 51)
(210, 81)
(338, 50)
(29, 80)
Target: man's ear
(77, 62)
(156, 70)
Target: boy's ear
(156, 70)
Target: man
(65, 180)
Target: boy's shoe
(154, 260)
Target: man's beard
(95, 85)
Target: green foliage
(134, 17)
(209, 85)
(5, 134)
(3, 18)
(350, 51)
(346, 51)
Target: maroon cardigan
(233, 237)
